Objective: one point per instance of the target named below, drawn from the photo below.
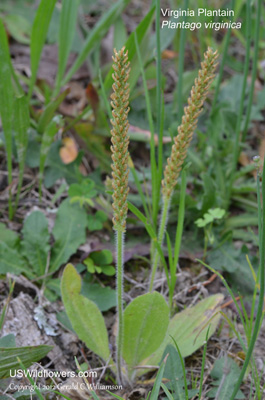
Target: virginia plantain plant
(144, 327)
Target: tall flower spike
(189, 122)
(120, 139)
(181, 144)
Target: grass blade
(159, 111)
(183, 369)
(49, 111)
(143, 219)
(169, 395)
(113, 394)
(261, 274)
(236, 151)
(6, 304)
(224, 53)
(33, 384)
(6, 105)
(152, 235)
(181, 66)
(44, 149)
(21, 125)
(95, 397)
(227, 287)
(159, 377)
(38, 37)
(140, 32)
(254, 67)
(67, 31)
(203, 363)
(120, 33)
(181, 215)
(150, 121)
(62, 395)
(96, 35)
(139, 188)
(104, 95)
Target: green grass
(260, 313)
(6, 105)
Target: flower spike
(120, 138)
(181, 143)
(189, 122)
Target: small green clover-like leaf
(82, 193)
(217, 213)
(86, 188)
(210, 216)
(98, 261)
(108, 270)
(81, 201)
(200, 222)
(90, 265)
(95, 222)
(102, 257)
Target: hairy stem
(161, 234)
(119, 294)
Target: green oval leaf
(145, 324)
(83, 314)
(189, 328)
(35, 242)
(69, 232)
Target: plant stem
(221, 70)
(161, 233)
(181, 66)
(203, 363)
(120, 158)
(254, 70)
(104, 95)
(180, 217)
(119, 293)
(140, 190)
(78, 118)
(241, 105)
(151, 127)
(159, 114)
(178, 238)
(261, 293)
